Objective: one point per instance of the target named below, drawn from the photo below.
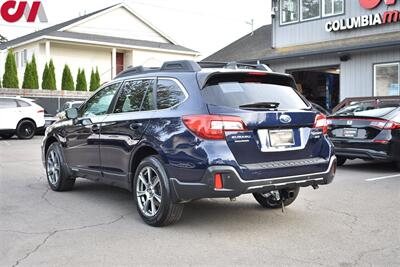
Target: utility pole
(251, 23)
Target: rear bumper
(234, 185)
(362, 153)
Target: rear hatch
(279, 138)
(362, 122)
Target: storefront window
(332, 7)
(310, 9)
(387, 79)
(289, 11)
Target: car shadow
(378, 167)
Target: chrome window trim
(155, 78)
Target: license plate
(350, 132)
(279, 138)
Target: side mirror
(71, 113)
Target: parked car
(182, 132)
(320, 109)
(71, 104)
(367, 129)
(20, 116)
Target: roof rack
(234, 65)
(190, 66)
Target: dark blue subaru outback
(187, 131)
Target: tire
(26, 129)
(57, 172)
(341, 160)
(154, 202)
(6, 136)
(269, 202)
(397, 164)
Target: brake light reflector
(213, 126)
(321, 123)
(218, 181)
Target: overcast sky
(205, 26)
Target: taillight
(213, 126)
(40, 111)
(321, 123)
(391, 125)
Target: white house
(111, 39)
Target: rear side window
(136, 95)
(7, 103)
(23, 103)
(240, 90)
(169, 94)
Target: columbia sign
(14, 11)
(387, 17)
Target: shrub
(28, 78)
(46, 78)
(10, 77)
(67, 80)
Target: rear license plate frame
(279, 134)
(350, 132)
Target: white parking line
(383, 178)
(6, 143)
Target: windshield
(369, 109)
(248, 94)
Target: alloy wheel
(53, 167)
(148, 191)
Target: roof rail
(234, 65)
(181, 65)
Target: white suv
(20, 116)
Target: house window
(17, 59)
(24, 57)
(310, 9)
(289, 11)
(387, 79)
(332, 7)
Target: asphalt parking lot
(353, 222)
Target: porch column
(133, 58)
(47, 49)
(113, 63)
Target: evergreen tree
(67, 80)
(28, 78)
(10, 77)
(97, 74)
(52, 74)
(34, 73)
(81, 84)
(46, 78)
(93, 81)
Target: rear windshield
(237, 92)
(369, 109)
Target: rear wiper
(261, 105)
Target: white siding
(119, 23)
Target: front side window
(100, 102)
(310, 9)
(332, 7)
(136, 95)
(7, 103)
(387, 79)
(289, 11)
(169, 94)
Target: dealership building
(335, 49)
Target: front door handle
(135, 125)
(95, 128)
